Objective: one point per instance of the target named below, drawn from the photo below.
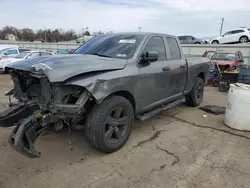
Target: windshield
(113, 46)
(21, 55)
(210, 54)
(4, 50)
(224, 56)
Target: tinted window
(121, 46)
(182, 38)
(228, 33)
(45, 53)
(23, 50)
(10, 52)
(174, 49)
(237, 31)
(156, 44)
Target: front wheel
(109, 124)
(195, 97)
(215, 42)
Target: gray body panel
(149, 85)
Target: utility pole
(139, 29)
(221, 26)
(45, 33)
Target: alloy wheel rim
(116, 125)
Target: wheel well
(127, 95)
(202, 76)
(244, 36)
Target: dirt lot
(179, 148)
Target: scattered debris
(213, 109)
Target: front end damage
(42, 105)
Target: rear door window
(237, 31)
(174, 49)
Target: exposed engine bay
(41, 105)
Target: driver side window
(156, 44)
(228, 33)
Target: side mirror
(149, 56)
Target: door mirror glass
(149, 56)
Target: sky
(200, 18)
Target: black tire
(215, 83)
(244, 39)
(215, 42)
(195, 97)
(197, 43)
(223, 87)
(98, 130)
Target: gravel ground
(179, 148)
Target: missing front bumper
(24, 136)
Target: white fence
(43, 46)
(192, 49)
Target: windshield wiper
(100, 55)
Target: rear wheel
(109, 124)
(243, 39)
(215, 83)
(223, 86)
(195, 97)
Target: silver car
(187, 39)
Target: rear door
(178, 67)
(236, 34)
(154, 79)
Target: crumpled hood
(223, 62)
(59, 68)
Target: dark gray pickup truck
(101, 88)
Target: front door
(154, 76)
(226, 38)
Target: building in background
(10, 37)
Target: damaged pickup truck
(101, 88)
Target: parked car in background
(62, 51)
(109, 81)
(4, 46)
(209, 54)
(187, 39)
(241, 35)
(13, 51)
(228, 59)
(21, 56)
